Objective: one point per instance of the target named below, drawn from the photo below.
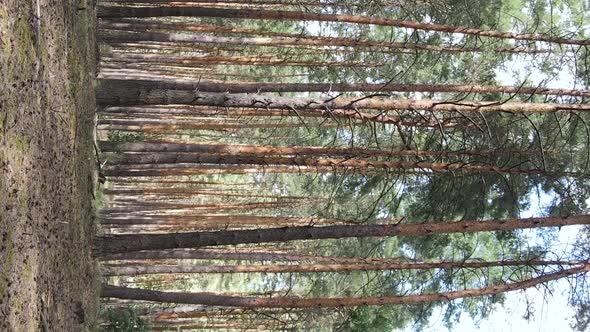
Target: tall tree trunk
(117, 12)
(223, 169)
(203, 158)
(124, 243)
(220, 221)
(264, 112)
(134, 269)
(130, 95)
(294, 302)
(174, 126)
(250, 255)
(319, 43)
(265, 150)
(191, 191)
(205, 60)
(181, 181)
(255, 87)
(219, 207)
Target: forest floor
(48, 279)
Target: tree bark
(198, 169)
(191, 191)
(130, 95)
(255, 87)
(125, 243)
(118, 12)
(218, 207)
(133, 270)
(206, 60)
(264, 112)
(294, 302)
(219, 254)
(203, 158)
(156, 148)
(320, 43)
(220, 221)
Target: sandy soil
(48, 279)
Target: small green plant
(124, 320)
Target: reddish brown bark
(292, 302)
(326, 113)
(265, 150)
(384, 265)
(116, 12)
(203, 158)
(191, 191)
(121, 33)
(207, 60)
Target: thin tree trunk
(216, 254)
(293, 302)
(192, 191)
(241, 112)
(222, 169)
(250, 206)
(221, 221)
(320, 43)
(117, 12)
(133, 270)
(265, 150)
(183, 61)
(181, 181)
(172, 126)
(203, 158)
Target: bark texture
(125, 243)
(293, 302)
(117, 12)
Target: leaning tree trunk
(293, 302)
(117, 12)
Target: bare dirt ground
(48, 279)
